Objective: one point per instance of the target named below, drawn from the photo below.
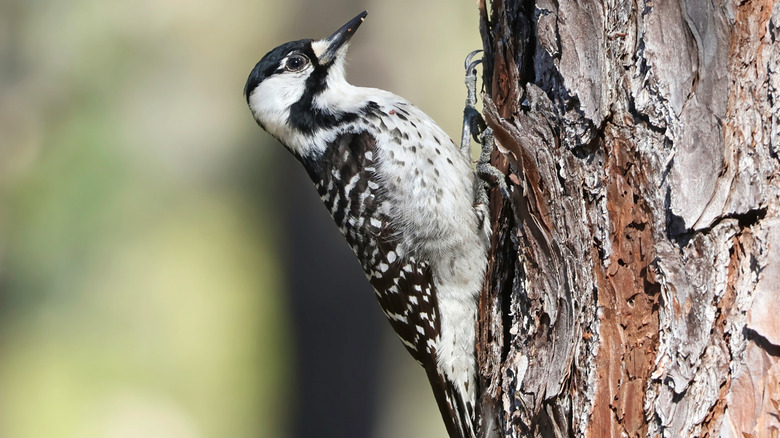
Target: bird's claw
(470, 65)
(472, 120)
(487, 172)
(474, 126)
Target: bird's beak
(340, 38)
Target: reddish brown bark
(637, 258)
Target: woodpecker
(402, 193)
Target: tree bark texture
(634, 285)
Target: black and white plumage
(403, 195)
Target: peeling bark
(634, 285)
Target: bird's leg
(485, 170)
(473, 123)
(474, 126)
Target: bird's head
(292, 92)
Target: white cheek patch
(270, 103)
(271, 100)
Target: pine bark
(634, 283)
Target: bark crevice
(641, 231)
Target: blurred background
(166, 268)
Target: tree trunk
(636, 264)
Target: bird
(403, 194)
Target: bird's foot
(486, 171)
(474, 126)
(473, 123)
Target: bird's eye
(296, 63)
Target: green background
(141, 292)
